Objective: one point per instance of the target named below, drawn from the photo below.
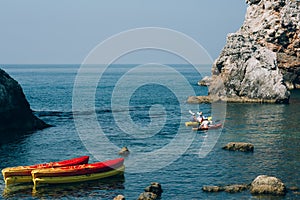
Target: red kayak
(76, 170)
(215, 126)
(26, 170)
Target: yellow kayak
(22, 174)
(17, 179)
(76, 178)
(191, 123)
(195, 123)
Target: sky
(65, 31)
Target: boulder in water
(154, 188)
(147, 196)
(124, 152)
(212, 188)
(228, 188)
(264, 184)
(152, 192)
(236, 188)
(119, 197)
(239, 146)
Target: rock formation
(228, 188)
(119, 197)
(261, 61)
(124, 152)
(239, 146)
(15, 113)
(264, 184)
(152, 192)
(205, 81)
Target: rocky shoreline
(261, 61)
(15, 113)
(270, 186)
(212, 99)
(262, 184)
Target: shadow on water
(295, 97)
(104, 188)
(14, 136)
(50, 117)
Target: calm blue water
(273, 129)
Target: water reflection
(273, 129)
(17, 191)
(104, 188)
(13, 136)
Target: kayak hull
(215, 126)
(78, 178)
(18, 179)
(84, 169)
(22, 174)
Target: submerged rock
(152, 192)
(228, 188)
(119, 197)
(154, 188)
(124, 152)
(212, 188)
(147, 196)
(293, 188)
(236, 188)
(239, 146)
(15, 113)
(261, 61)
(264, 184)
(296, 193)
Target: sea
(96, 110)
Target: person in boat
(193, 117)
(205, 123)
(200, 117)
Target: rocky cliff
(15, 113)
(261, 61)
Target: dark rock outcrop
(261, 61)
(15, 113)
(239, 146)
(264, 184)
